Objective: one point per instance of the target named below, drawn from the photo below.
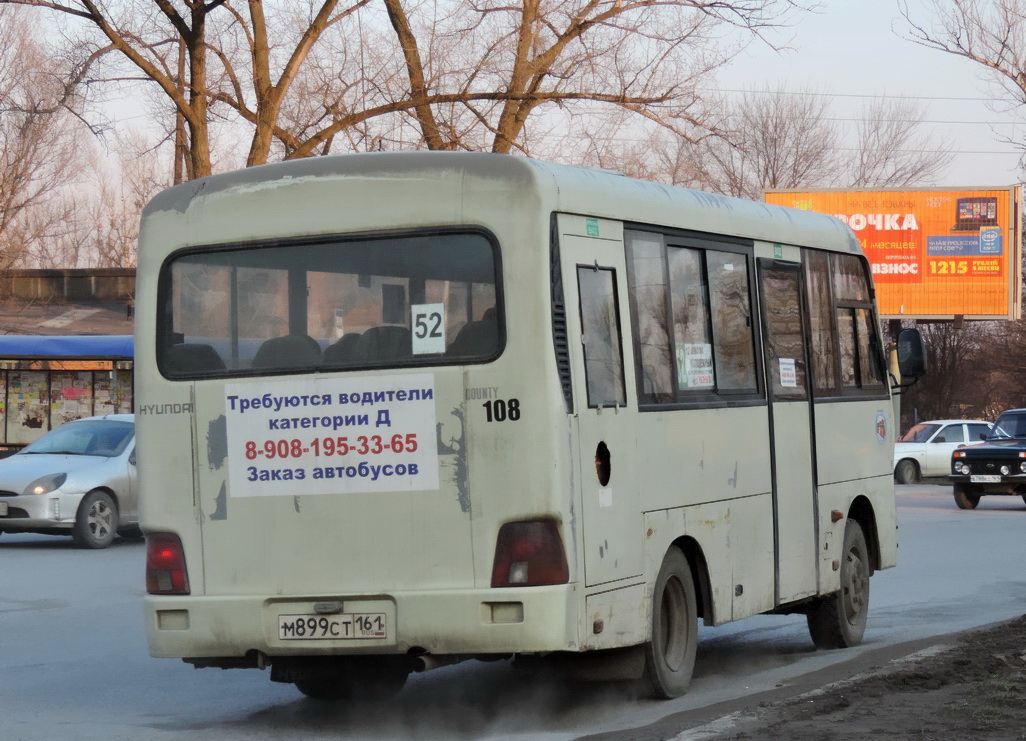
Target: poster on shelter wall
(105, 393)
(112, 392)
(125, 396)
(71, 396)
(28, 416)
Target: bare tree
(40, 141)
(463, 74)
(165, 46)
(775, 140)
(991, 33)
(952, 356)
(649, 154)
(173, 48)
(501, 63)
(470, 75)
(891, 150)
(109, 221)
(793, 139)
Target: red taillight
(529, 554)
(165, 565)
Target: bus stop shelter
(47, 380)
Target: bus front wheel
(838, 620)
(670, 654)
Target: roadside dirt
(972, 688)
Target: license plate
(3, 509)
(985, 478)
(342, 626)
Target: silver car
(78, 479)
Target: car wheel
(965, 498)
(670, 654)
(838, 620)
(96, 521)
(906, 472)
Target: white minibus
(397, 410)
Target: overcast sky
(853, 48)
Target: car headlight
(46, 484)
(1005, 470)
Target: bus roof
(564, 188)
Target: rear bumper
(492, 621)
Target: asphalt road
(73, 659)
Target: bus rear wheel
(670, 654)
(838, 620)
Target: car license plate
(341, 626)
(985, 479)
(3, 509)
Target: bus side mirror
(911, 354)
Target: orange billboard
(935, 254)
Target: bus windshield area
(412, 299)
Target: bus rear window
(330, 305)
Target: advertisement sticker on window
(695, 365)
(331, 436)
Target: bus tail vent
(559, 333)
(559, 337)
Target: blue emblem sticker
(881, 427)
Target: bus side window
(600, 331)
(692, 334)
(859, 345)
(649, 294)
(822, 327)
(731, 314)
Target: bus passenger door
(794, 494)
(598, 326)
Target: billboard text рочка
(934, 253)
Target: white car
(926, 449)
(78, 479)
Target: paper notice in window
(788, 373)
(695, 365)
